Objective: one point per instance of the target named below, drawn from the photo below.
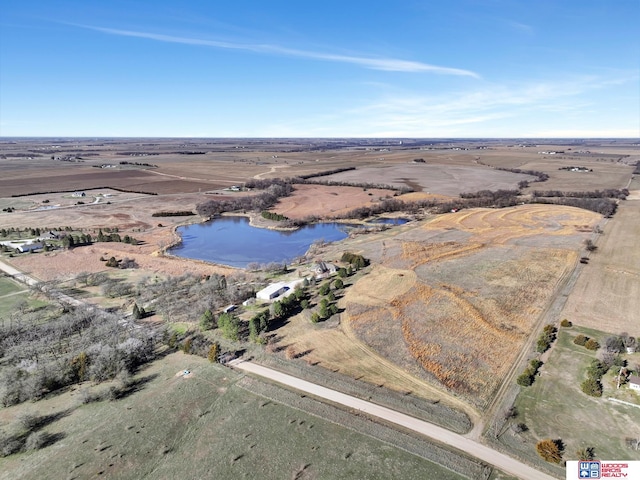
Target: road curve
(442, 435)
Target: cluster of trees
(31, 232)
(71, 241)
(541, 176)
(139, 164)
(178, 213)
(528, 376)
(365, 185)
(494, 195)
(354, 260)
(586, 342)
(546, 338)
(603, 206)
(262, 201)
(27, 434)
(325, 173)
(607, 193)
(592, 385)
(115, 237)
(179, 298)
(273, 216)
(45, 350)
(613, 346)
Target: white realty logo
(602, 469)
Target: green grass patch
(202, 427)
(555, 407)
(8, 286)
(181, 327)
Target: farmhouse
(634, 382)
(324, 269)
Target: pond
(389, 221)
(232, 241)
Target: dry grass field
(607, 294)
(442, 179)
(457, 313)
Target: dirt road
(473, 448)
(17, 274)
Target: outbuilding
(272, 291)
(634, 382)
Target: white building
(276, 290)
(634, 382)
(272, 291)
(27, 247)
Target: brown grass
(607, 294)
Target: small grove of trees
(546, 338)
(115, 237)
(47, 350)
(176, 213)
(550, 450)
(592, 385)
(586, 342)
(268, 198)
(26, 434)
(355, 260)
(528, 376)
(566, 323)
(273, 216)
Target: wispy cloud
(520, 27)
(375, 63)
(491, 110)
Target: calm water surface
(232, 241)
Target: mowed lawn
(203, 426)
(11, 293)
(555, 407)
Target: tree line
(45, 350)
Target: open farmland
(442, 315)
(441, 179)
(321, 200)
(607, 294)
(465, 308)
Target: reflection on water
(232, 241)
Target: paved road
(471, 447)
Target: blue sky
(408, 68)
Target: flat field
(442, 179)
(607, 294)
